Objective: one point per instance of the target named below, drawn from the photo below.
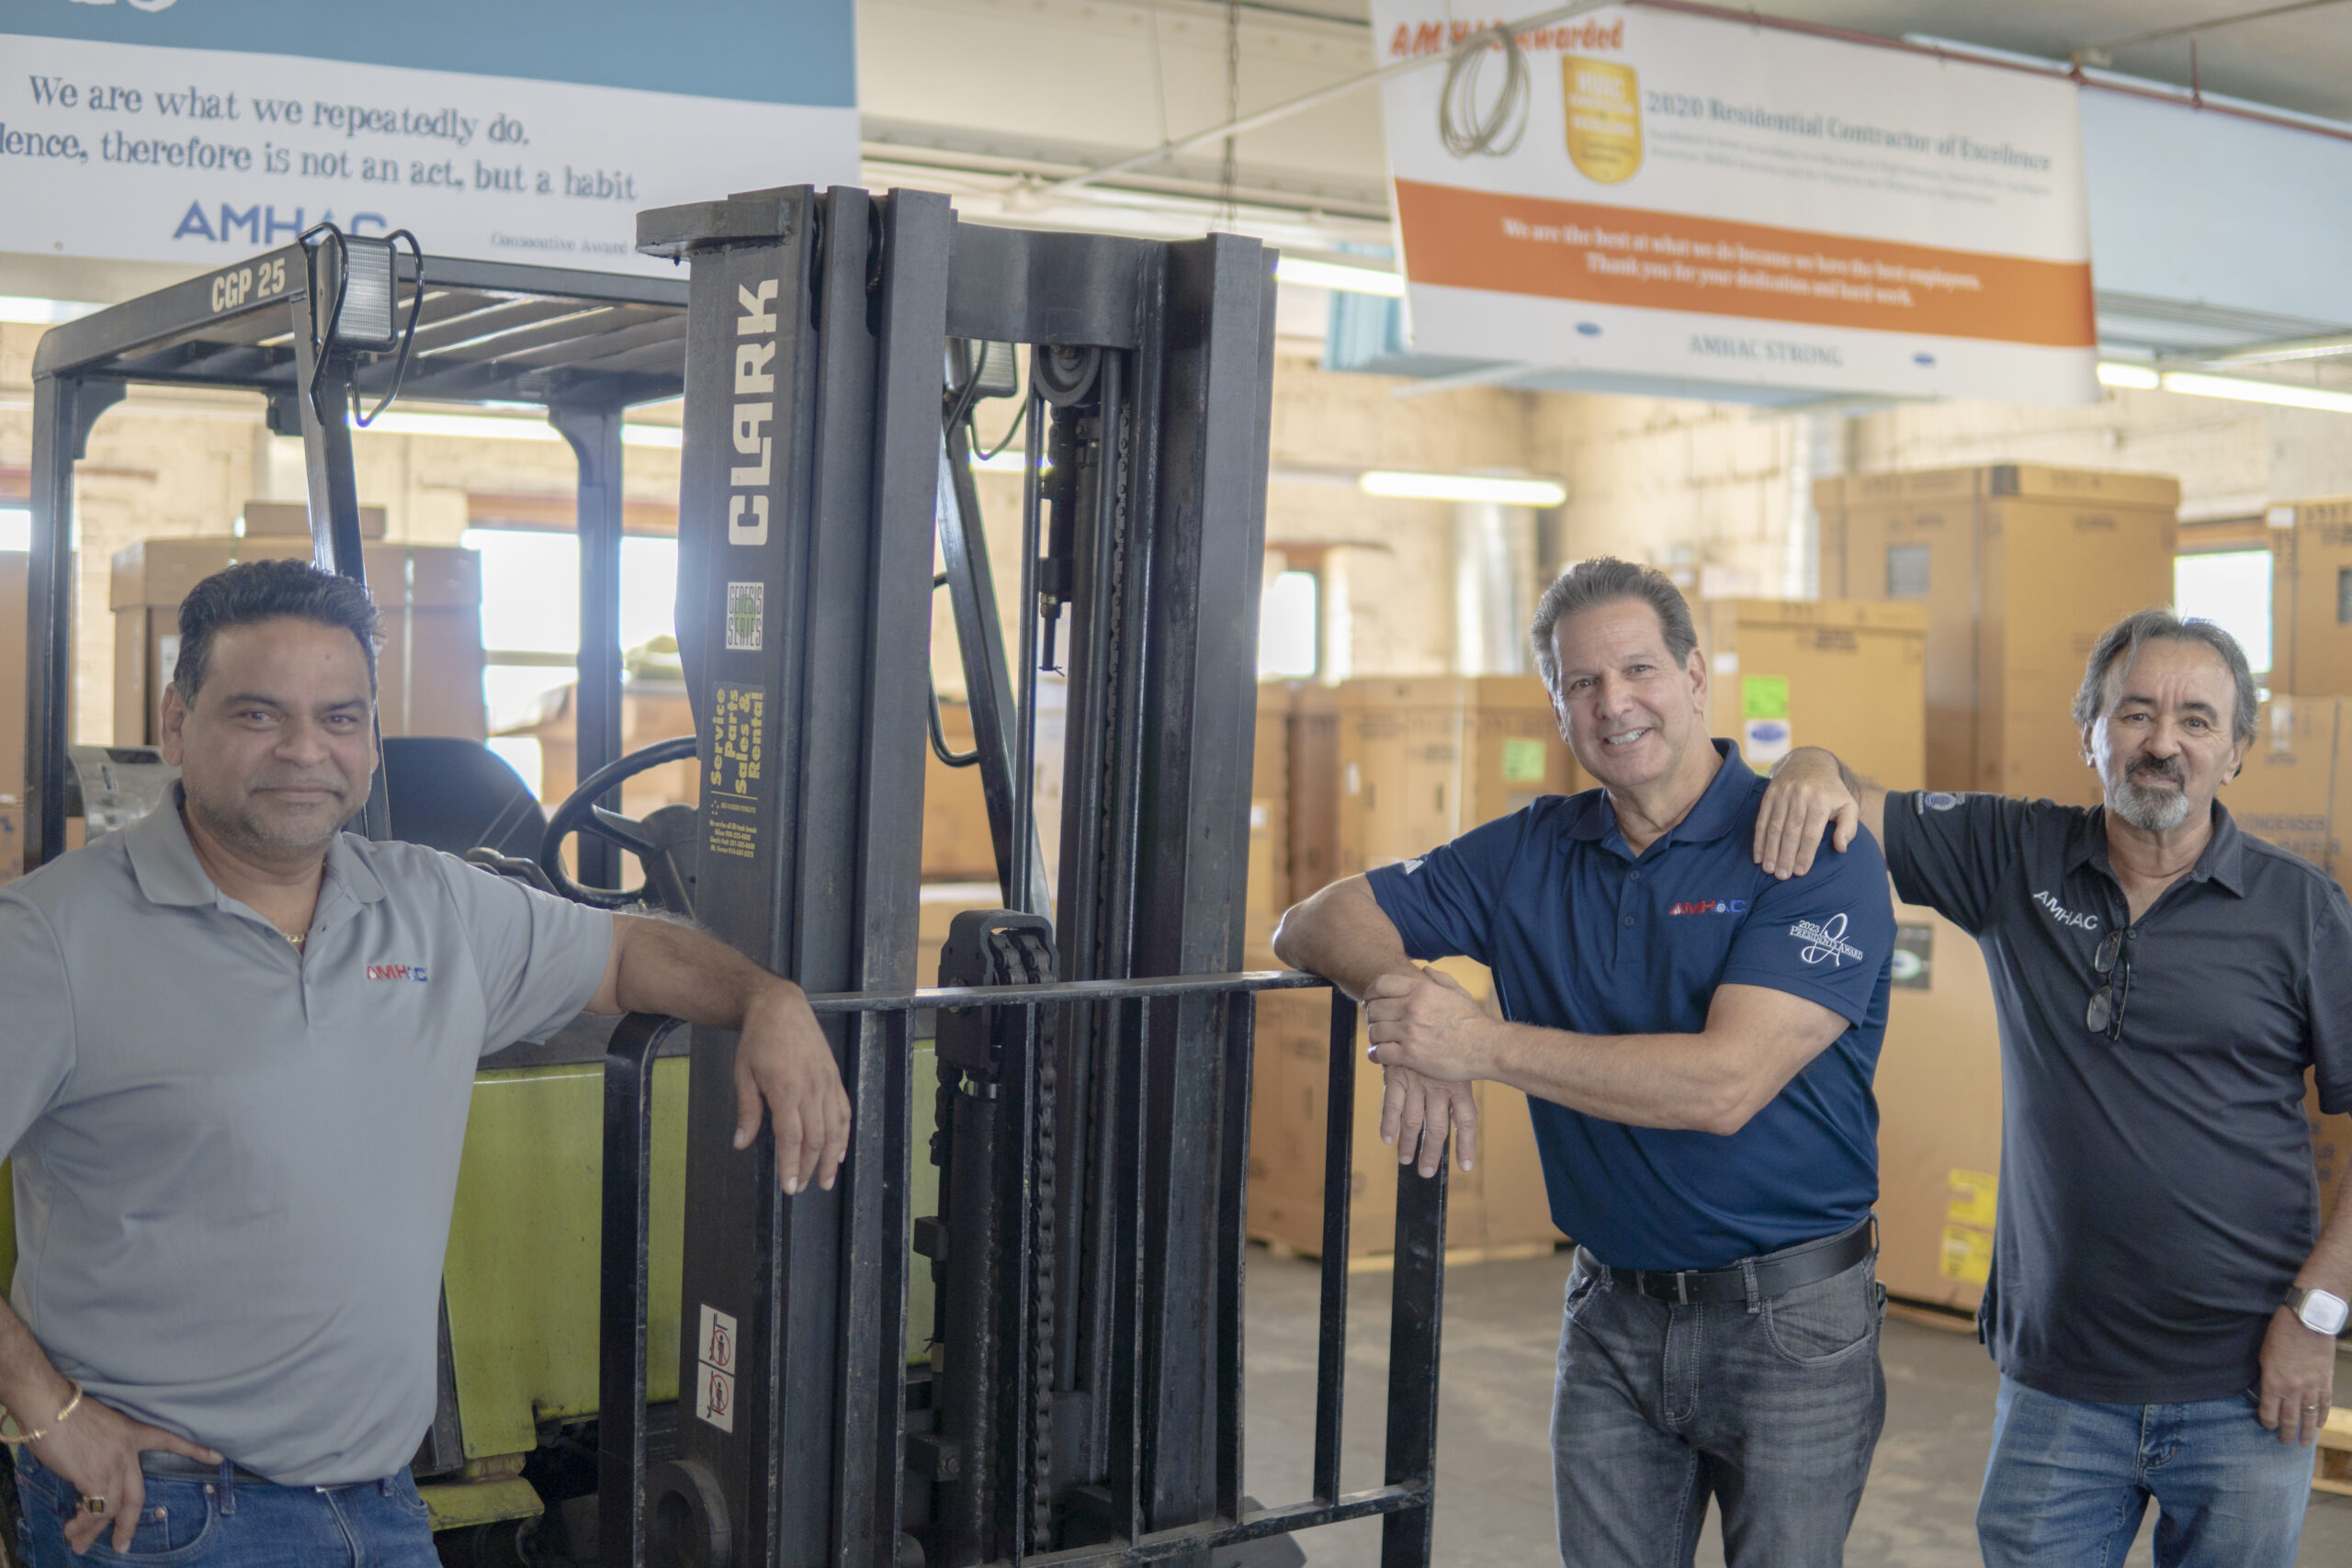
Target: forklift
(1066, 1165)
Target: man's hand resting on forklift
(782, 1061)
(785, 1060)
(1423, 1027)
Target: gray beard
(2151, 811)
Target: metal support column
(814, 332)
(594, 433)
(64, 410)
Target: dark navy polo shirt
(1583, 936)
(2157, 1194)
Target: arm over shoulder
(1825, 936)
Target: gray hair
(2123, 642)
(1605, 579)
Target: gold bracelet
(23, 1437)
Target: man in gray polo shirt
(2162, 1304)
(239, 1051)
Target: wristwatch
(2321, 1312)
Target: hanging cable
(1461, 125)
(997, 450)
(408, 334)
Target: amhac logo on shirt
(2064, 916)
(397, 972)
(1825, 942)
(1708, 907)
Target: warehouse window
(1288, 626)
(530, 610)
(2232, 589)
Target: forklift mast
(1083, 1400)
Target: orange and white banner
(1699, 202)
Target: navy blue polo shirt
(1582, 935)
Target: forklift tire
(503, 1543)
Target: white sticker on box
(1726, 663)
(715, 1348)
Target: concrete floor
(1502, 1329)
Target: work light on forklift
(368, 318)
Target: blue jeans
(230, 1523)
(1772, 1406)
(2069, 1481)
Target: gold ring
(93, 1504)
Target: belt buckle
(1681, 1287)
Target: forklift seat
(456, 795)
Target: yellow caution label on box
(1967, 1255)
(1975, 1194)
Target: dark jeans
(229, 1523)
(1772, 1407)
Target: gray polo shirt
(2156, 1190)
(234, 1162)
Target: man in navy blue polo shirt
(1696, 1040)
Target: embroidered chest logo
(1708, 907)
(397, 972)
(2064, 916)
(1825, 942)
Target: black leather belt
(1775, 1273)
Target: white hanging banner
(202, 130)
(1687, 197)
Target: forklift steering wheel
(581, 814)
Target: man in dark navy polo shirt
(2161, 1292)
(1696, 1040)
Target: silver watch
(2321, 1312)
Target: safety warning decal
(715, 1376)
(731, 807)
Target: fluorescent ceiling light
(39, 312)
(1345, 279)
(2256, 391)
(1462, 487)
(2138, 378)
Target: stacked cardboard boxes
(1424, 760)
(1841, 673)
(2020, 568)
(957, 844)
(428, 673)
(1498, 1205)
(1939, 1088)
(1379, 771)
(2310, 597)
(1269, 886)
(1312, 781)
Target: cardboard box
(957, 844)
(1500, 1204)
(650, 711)
(1313, 781)
(1939, 1088)
(1424, 760)
(2295, 788)
(1846, 675)
(2020, 568)
(2311, 598)
(428, 673)
(1269, 884)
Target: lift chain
(1040, 965)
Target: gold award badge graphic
(1604, 117)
